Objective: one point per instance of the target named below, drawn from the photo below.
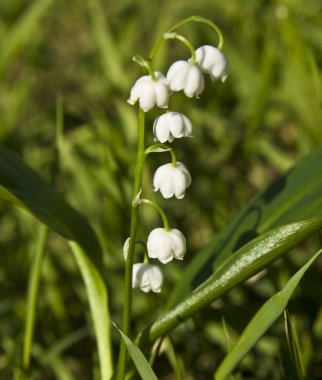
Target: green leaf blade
(138, 358)
(247, 261)
(260, 323)
(44, 203)
(98, 300)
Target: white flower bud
(147, 277)
(183, 75)
(150, 92)
(172, 180)
(172, 125)
(212, 61)
(166, 245)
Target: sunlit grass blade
(97, 297)
(246, 262)
(262, 320)
(142, 365)
(22, 31)
(294, 348)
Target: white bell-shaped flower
(147, 277)
(183, 75)
(172, 125)
(149, 92)
(166, 245)
(172, 180)
(212, 61)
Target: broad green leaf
(138, 358)
(297, 195)
(31, 191)
(259, 324)
(97, 297)
(247, 261)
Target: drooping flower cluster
(171, 179)
(182, 75)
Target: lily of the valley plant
(172, 179)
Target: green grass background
(73, 60)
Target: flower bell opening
(166, 245)
(213, 62)
(183, 75)
(147, 277)
(172, 181)
(149, 92)
(170, 126)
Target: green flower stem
(146, 64)
(174, 158)
(160, 211)
(183, 22)
(205, 21)
(127, 307)
(32, 296)
(184, 40)
(145, 252)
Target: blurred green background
(72, 61)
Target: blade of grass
(52, 357)
(22, 31)
(294, 348)
(32, 296)
(262, 320)
(37, 196)
(108, 49)
(97, 296)
(174, 359)
(141, 364)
